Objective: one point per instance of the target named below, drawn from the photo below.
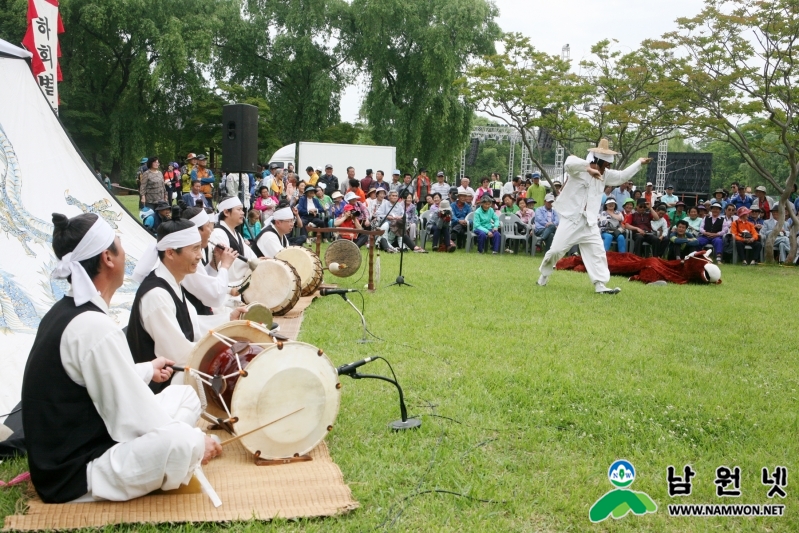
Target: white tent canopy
(41, 172)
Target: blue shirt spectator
(741, 201)
(621, 194)
(459, 213)
(544, 215)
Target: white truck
(341, 156)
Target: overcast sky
(580, 23)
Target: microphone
(345, 370)
(328, 292)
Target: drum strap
(235, 240)
(271, 229)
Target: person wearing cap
(464, 187)
(782, 244)
(745, 234)
(441, 186)
(627, 210)
(679, 213)
(186, 170)
(338, 204)
(486, 225)
(712, 231)
(670, 199)
(546, 222)
(681, 241)
(273, 238)
(195, 195)
(441, 225)
(351, 218)
(227, 232)
(511, 186)
(151, 187)
(453, 195)
(161, 211)
(738, 196)
(460, 210)
(756, 217)
(395, 180)
(536, 191)
(367, 181)
(649, 193)
(371, 199)
(611, 226)
(380, 182)
(360, 207)
(718, 196)
(94, 430)
(763, 202)
(577, 207)
(328, 180)
(421, 188)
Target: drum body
(211, 354)
(282, 379)
(307, 264)
(275, 284)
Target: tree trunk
(116, 171)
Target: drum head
(348, 256)
(307, 264)
(280, 382)
(274, 284)
(209, 347)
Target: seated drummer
(93, 429)
(227, 232)
(273, 238)
(162, 322)
(207, 289)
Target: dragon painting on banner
(22, 304)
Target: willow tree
(734, 63)
(525, 88)
(412, 52)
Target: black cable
(17, 410)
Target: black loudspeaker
(472, 158)
(239, 138)
(688, 172)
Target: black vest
(714, 228)
(199, 306)
(284, 241)
(63, 430)
(141, 344)
(235, 241)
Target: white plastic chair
(508, 231)
(424, 227)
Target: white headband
(179, 239)
(593, 156)
(230, 203)
(284, 213)
(99, 237)
(200, 219)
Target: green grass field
(528, 394)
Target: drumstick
(237, 437)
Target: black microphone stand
(364, 339)
(400, 278)
(404, 422)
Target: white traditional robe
(269, 244)
(578, 207)
(211, 289)
(158, 443)
(239, 270)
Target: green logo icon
(620, 501)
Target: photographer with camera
(440, 222)
(745, 234)
(351, 218)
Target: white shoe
(542, 280)
(600, 288)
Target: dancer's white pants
(592, 249)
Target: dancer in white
(578, 207)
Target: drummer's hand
(212, 449)
(234, 292)
(227, 256)
(162, 370)
(237, 312)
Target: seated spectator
(661, 228)
(460, 209)
(292, 190)
(611, 226)
(703, 210)
(371, 199)
(526, 210)
(718, 197)
(756, 217)
(377, 204)
(310, 210)
(453, 195)
(637, 195)
(681, 241)
(364, 218)
(483, 190)
(782, 244)
(508, 207)
(266, 203)
(727, 220)
(745, 234)
(355, 186)
(428, 203)
(195, 195)
(161, 211)
(337, 209)
(326, 201)
(465, 187)
(440, 224)
(627, 209)
(712, 231)
(486, 225)
(350, 217)
(694, 221)
(411, 218)
(252, 226)
(546, 222)
(641, 227)
(388, 218)
(679, 213)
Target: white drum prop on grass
(307, 264)
(248, 380)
